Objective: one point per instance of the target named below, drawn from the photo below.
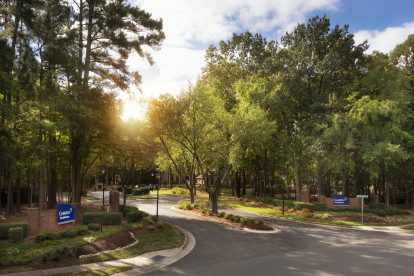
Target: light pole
(283, 194)
(103, 190)
(158, 187)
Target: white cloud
(192, 25)
(386, 40)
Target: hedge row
(16, 234)
(4, 229)
(297, 205)
(61, 234)
(133, 214)
(106, 218)
(140, 191)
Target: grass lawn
(408, 227)
(98, 272)
(145, 197)
(90, 197)
(26, 257)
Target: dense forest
(312, 110)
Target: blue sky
(192, 25)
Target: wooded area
(312, 108)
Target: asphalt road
(298, 249)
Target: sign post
(362, 209)
(340, 200)
(66, 213)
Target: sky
(191, 26)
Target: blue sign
(340, 200)
(66, 213)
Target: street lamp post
(283, 194)
(103, 190)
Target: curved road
(298, 249)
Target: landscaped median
(63, 248)
(200, 208)
(374, 214)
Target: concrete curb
(143, 264)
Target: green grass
(408, 227)
(274, 213)
(98, 272)
(90, 197)
(18, 255)
(22, 254)
(170, 238)
(145, 197)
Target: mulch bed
(120, 239)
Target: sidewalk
(143, 264)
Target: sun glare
(133, 110)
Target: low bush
(236, 219)
(221, 214)
(160, 224)
(150, 227)
(70, 233)
(141, 191)
(344, 209)
(204, 205)
(378, 212)
(135, 215)
(306, 213)
(380, 206)
(154, 218)
(104, 218)
(210, 213)
(16, 234)
(82, 230)
(94, 227)
(140, 225)
(303, 205)
(244, 221)
(204, 211)
(180, 191)
(119, 189)
(289, 204)
(229, 217)
(4, 229)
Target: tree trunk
(265, 184)
(387, 192)
(412, 191)
(244, 183)
(77, 140)
(296, 164)
(9, 209)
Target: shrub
(179, 191)
(203, 211)
(134, 227)
(4, 229)
(261, 222)
(319, 206)
(140, 225)
(154, 218)
(104, 218)
(42, 236)
(306, 213)
(135, 215)
(119, 189)
(186, 205)
(70, 233)
(82, 230)
(380, 206)
(204, 205)
(229, 217)
(16, 234)
(140, 191)
(160, 224)
(236, 219)
(94, 227)
(129, 190)
(301, 205)
(194, 205)
(150, 227)
(221, 214)
(244, 221)
(288, 203)
(210, 213)
(378, 212)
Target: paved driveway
(298, 249)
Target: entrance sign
(340, 200)
(66, 213)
